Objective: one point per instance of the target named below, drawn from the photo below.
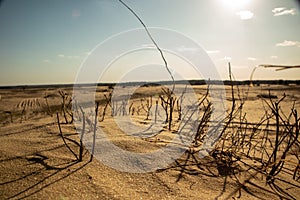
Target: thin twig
(63, 138)
(153, 41)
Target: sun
(235, 3)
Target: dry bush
(66, 106)
(79, 156)
(268, 141)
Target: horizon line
(191, 81)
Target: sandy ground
(35, 163)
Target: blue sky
(44, 42)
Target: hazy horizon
(148, 82)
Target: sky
(47, 42)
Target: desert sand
(36, 164)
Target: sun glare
(235, 3)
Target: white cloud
(288, 43)
(251, 58)
(68, 57)
(283, 11)
(273, 57)
(46, 60)
(212, 51)
(280, 9)
(245, 14)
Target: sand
(35, 163)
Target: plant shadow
(40, 173)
